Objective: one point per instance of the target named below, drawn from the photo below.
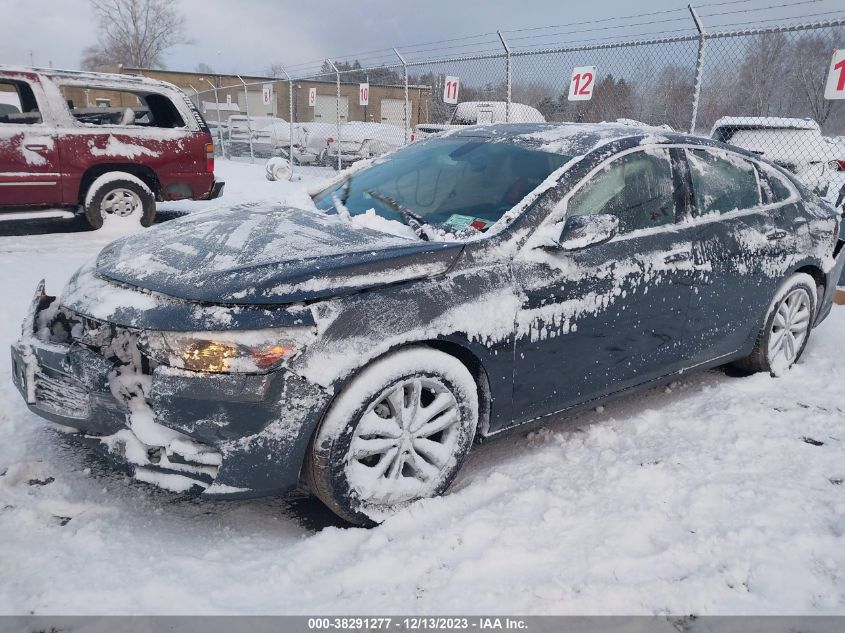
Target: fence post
(507, 76)
(337, 103)
(248, 120)
(290, 121)
(219, 123)
(405, 72)
(699, 67)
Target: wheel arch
(142, 172)
(815, 271)
(462, 353)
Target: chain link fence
(761, 89)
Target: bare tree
(134, 33)
(809, 57)
(204, 68)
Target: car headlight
(237, 351)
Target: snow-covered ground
(719, 494)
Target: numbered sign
(312, 97)
(835, 87)
(364, 94)
(228, 99)
(450, 90)
(582, 82)
(267, 94)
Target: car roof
(83, 75)
(573, 139)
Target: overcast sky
(248, 35)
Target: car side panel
(30, 167)
(473, 308)
(176, 157)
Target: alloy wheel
(405, 441)
(790, 328)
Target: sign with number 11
(450, 90)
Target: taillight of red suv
(209, 158)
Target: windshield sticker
(466, 221)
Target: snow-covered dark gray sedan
(465, 285)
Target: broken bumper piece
(219, 435)
(46, 378)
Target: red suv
(110, 145)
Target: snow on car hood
(258, 255)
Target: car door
(29, 157)
(739, 248)
(611, 315)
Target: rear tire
(397, 432)
(119, 197)
(786, 329)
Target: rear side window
(637, 188)
(722, 183)
(92, 105)
(17, 104)
(774, 188)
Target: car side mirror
(581, 231)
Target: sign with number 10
(450, 90)
(364, 94)
(835, 87)
(582, 82)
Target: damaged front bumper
(219, 435)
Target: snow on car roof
(83, 75)
(570, 139)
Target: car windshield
(459, 184)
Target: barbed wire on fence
(765, 72)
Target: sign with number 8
(582, 82)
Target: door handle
(776, 235)
(36, 148)
(682, 256)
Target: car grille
(61, 395)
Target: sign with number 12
(582, 82)
(835, 87)
(450, 90)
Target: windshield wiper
(411, 219)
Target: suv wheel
(786, 330)
(119, 197)
(398, 432)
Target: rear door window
(722, 182)
(637, 188)
(17, 104)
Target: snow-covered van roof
(87, 76)
(495, 111)
(765, 122)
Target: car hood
(254, 254)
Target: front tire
(398, 432)
(786, 330)
(119, 197)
